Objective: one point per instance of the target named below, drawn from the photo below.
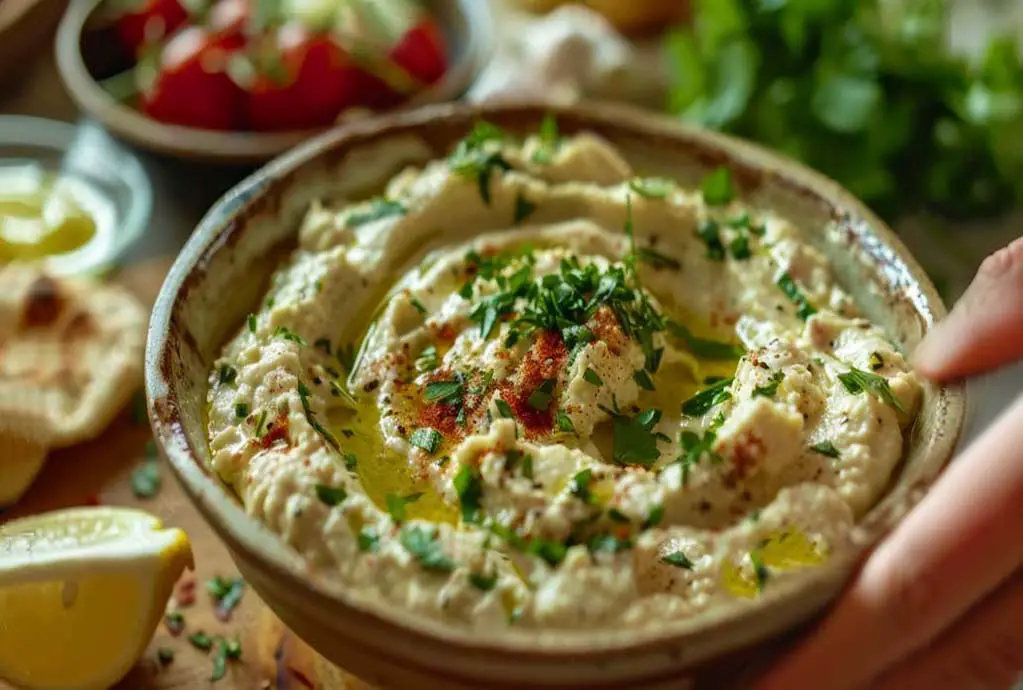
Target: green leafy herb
(654, 517)
(165, 655)
(769, 389)
(709, 397)
(423, 545)
(469, 487)
(527, 467)
(608, 543)
(760, 570)
(427, 360)
(804, 309)
(826, 448)
(444, 391)
(678, 559)
(876, 361)
(200, 640)
(303, 394)
(330, 496)
(261, 424)
(710, 232)
(146, 479)
(288, 334)
(651, 187)
(694, 448)
(717, 187)
(523, 207)
(540, 399)
(251, 320)
(651, 256)
(549, 140)
(635, 441)
(472, 158)
(701, 347)
(858, 381)
(426, 438)
(739, 246)
(241, 410)
(367, 541)
(643, 380)
(228, 374)
(483, 583)
(592, 377)
(565, 423)
(579, 486)
(418, 305)
(378, 208)
(351, 461)
(919, 126)
(397, 505)
(503, 408)
(618, 516)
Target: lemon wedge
(81, 593)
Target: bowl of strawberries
(240, 81)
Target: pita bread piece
(70, 350)
(24, 443)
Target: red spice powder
(606, 328)
(276, 431)
(544, 361)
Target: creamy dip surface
(526, 387)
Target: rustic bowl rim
(235, 147)
(251, 541)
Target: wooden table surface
(272, 657)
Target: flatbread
(71, 351)
(24, 443)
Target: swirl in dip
(526, 387)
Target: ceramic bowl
(222, 272)
(87, 53)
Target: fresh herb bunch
(862, 90)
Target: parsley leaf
(329, 495)
(579, 486)
(483, 583)
(826, 448)
(652, 187)
(423, 545)
(540, 399)
(635, 442)
(397, 505)
(643, 380)
(717, 187)
(710, 232)
(678, 559)
(228, 374)
(428, 359)
(694, 448)
(701, 347)
(565, 423)
(859, 381)
(503, 408)
(378, 208)
(702, 402)
(444, 391)
(771, 387)
(523, 207)
(804, 309)
(427, 439)
(469, 486)
(592, 377)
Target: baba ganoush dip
(526, 387)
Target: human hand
(939, 604)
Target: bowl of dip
(70, 196)
(518, 396)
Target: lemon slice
(81, 593)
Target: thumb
(985, 330)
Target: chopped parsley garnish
(419, 306)
(826, 448)
(710, 232)
(427, 360)
(201, 640)
(444, 391)
(303, 394)
(717, 187)
(423, 545)
(702, 347)
(643, 380)
(397, 505)
(483, 583)
(549, 140)
(471, 158)
(490, 309)
(241, 410)
(654, 517)
(608, 543)
(427, 439)
(503, 408)
(165, 655)
(330, 496)
(651, 256)
(804, 309)
(378, 208)
(592, 377)
(565, 423)
(678, 559)
(615, 515)
(876, 361)
(288, 334)
(769, 389)
(527, 467)
(228, 374)
(367, 541)
(858, 381)
(469, 486)
(540, 399)
(635, 441)
(552, 552)
(523, 207)
(694, 448)
(351, 461)
(261, 424)
(739, 246)
(651, 187)
(709, 397)
(145, 478)
(760, 571)
(579, 486)
(251, 320)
